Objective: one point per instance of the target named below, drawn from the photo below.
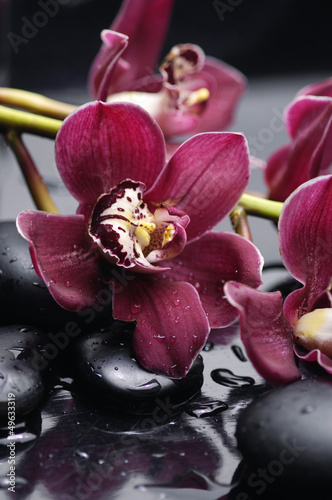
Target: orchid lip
(128, 234)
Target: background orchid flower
(269, 328)
(192, 93)
(132, 230)
(308, 120)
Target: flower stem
(36, 103)
(38, 190)
(254, 205)
(22, 121)
(240, 223)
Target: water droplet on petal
(135, 308)
(67, 284)
(177, 302)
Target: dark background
(258, 37)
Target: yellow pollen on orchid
(198, 96)
(142, 233)
(168, 234)
(314, 331)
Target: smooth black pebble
(25, 298)
(22, 369)
(106, 371)
(285, 436)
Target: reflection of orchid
(175, 270)
(308, 120)
(269, 328)
(191, 94)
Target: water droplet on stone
(229, 379)
(239, 353)
(82, 454)
(308, 409)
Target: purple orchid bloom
(132, 230)
(192, 93)
(269, 327)
(308, 120)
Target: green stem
(38, 190)
(22, 121)
(254, 205)
(36, 103)
(240, 223)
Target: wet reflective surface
(72, 448)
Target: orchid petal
(265, 333)
(323, 88)
(96, 149)
(64, 257)
(145, 22)
(305, 229)
(205, 178)
(103, 67)
(209, 262)
(308, 121)
(171, 328)
(226, 85)
(315, 355)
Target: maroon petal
(100, 145)
(308, 121)
(205, 178)
(323, 88)
(226, 85)
(64, 256)
(145, 22)
(212, 260)
(305, 232)
(315, 355)
(171, 326)
(103, 67)
(265, 333)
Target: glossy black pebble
(22, 369)
(24, 297)
(286, 435)
(106, 370)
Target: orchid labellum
(271, 330)
(144, 228)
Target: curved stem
(22, 121)
(35, 103)
(240, 223)
(254, 205)
(38, 190)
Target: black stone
(285, 437)
(22, 370)
(106, 371)
(24, 296)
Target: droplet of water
(206, 408)
(239, 353)
(208, 346)
(227, 378)
(67, 284)
(82, 454)
(135, 308)
(307, 409)
(177, 302)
